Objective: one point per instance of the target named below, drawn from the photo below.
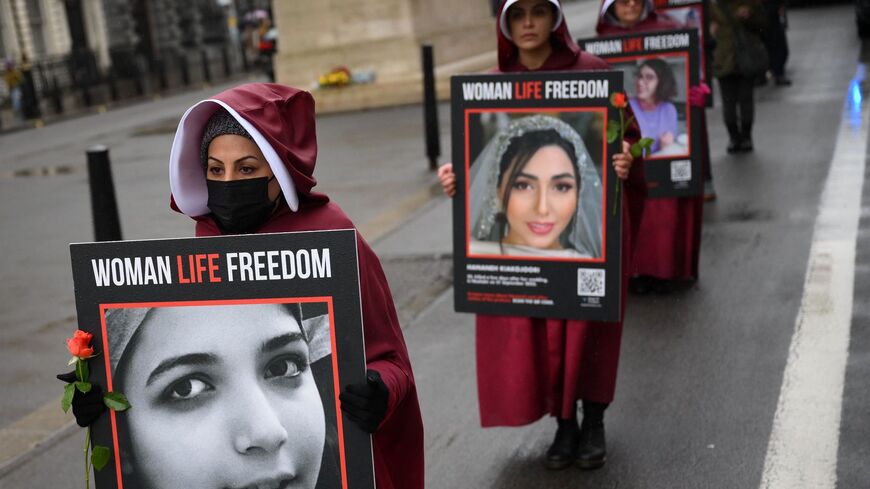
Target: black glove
(86, 407)
(366, 403)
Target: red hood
(279, 118)
(565, 51)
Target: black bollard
(225, 57)
(184, 67)
(56, 96)
(206, 72)
(112, 81)
(430, 108)
(244, 52)
(162, 77)
(107, 225)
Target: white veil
(584, 232)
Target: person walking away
(776, 41)
(13, 78)
(738, 59)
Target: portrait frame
(675, 170)
(679, 11)
(197, 272)
(571, 268)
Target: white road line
(802, 451)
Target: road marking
(802, 451)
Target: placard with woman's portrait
(537, 212)
(694, 14)
(660, 67)
(231, 351)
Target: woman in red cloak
(670, 232)
(243, 162)
(530, 367)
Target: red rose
(619, 100)
(80, 344)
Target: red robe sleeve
(398, 442)
(634, 196)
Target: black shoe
(663, 287)
(782, 81)
(746, 145)
(733, 146)
(593, 450)
(640, 285)
(563, 452)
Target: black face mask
(240, 206)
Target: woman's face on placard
(530, 23)
(628, 12)
(223, 398)
(646, 82)
(542, 200)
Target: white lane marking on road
(802, 451)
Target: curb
(46, 425)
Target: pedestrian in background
(776, 41)
(13, 78)
(739, 58)
(669, 240)
(530, 367)
(29, 99)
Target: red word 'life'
(197, 266)
(632, 44)
(527, 90)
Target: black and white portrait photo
(232, 394)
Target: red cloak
(529, 367)
(284, 116)
(669, 240)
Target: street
(707, 373)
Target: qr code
(681, 171)
(590, 282)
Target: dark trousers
(776, 42)
(738, 107)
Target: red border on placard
(688, 111)
(277, 300)
(603, 111)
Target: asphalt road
(701, 369)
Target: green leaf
(646, 143)
(83, 387)
(100, 456)
(636, 150)
(66, 401)
(116, 401)
(612, 131)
